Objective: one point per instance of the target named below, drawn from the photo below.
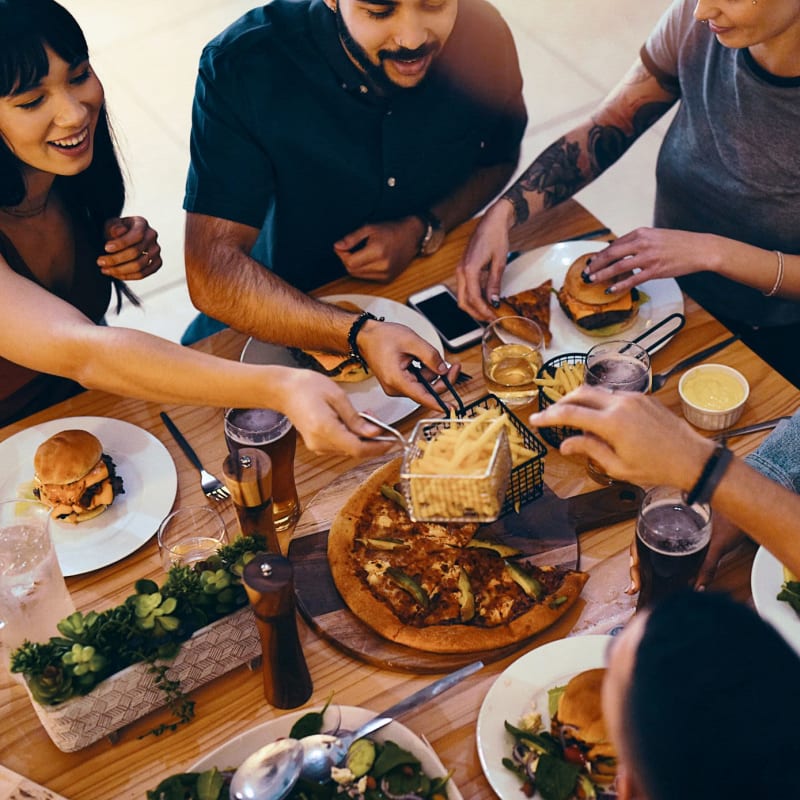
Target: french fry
(565, 378)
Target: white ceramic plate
(149, 479)
(366, 396)
(523, 683)
(766, 579)
(232, 753)
(533, 268)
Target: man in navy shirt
(343, 136)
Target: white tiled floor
(572, 52)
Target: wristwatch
(434, 234)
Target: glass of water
(33, 595)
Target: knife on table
(754, 428)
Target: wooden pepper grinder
(269, 582)
(248, 476)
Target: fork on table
(212, 486)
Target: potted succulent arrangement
(111, 667)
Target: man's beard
(376, 73)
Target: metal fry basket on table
(525, 480)
(556, 434)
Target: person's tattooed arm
(576, 159)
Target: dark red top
(24, 391)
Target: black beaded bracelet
(710, 477)
(352, 334)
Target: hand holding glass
(619, 366)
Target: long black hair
(713, 704)
(97, 193)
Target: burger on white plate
(593, 311)
(74, 476)
(579, 725)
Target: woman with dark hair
(63, 246)
(701, 700)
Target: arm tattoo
(554, 174)
(606, 143)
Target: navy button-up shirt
(287, 138)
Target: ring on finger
(146, 254)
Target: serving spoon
(271, 772)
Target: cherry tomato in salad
(574, 755)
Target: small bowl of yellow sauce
(713, 396)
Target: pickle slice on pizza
(429, 586)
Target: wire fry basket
(526, 476)
(556, 434)
(455, 496)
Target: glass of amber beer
(671, 540)
(274, 434)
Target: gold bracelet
(779, 278)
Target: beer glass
(619, 366)
(33, 595)
(671, 540)
(512, 356)
(274, 434)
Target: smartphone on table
(438, 304)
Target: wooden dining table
(233, 703)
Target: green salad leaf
(400, 772)
(790, 593)
(555, 778)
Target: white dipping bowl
(715, 405)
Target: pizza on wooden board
(436, 587)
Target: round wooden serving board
(324, 610)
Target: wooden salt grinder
(248, 476)
(269, 582)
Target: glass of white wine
(512, 357)
(191, 534)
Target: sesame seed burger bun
(67, 456)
